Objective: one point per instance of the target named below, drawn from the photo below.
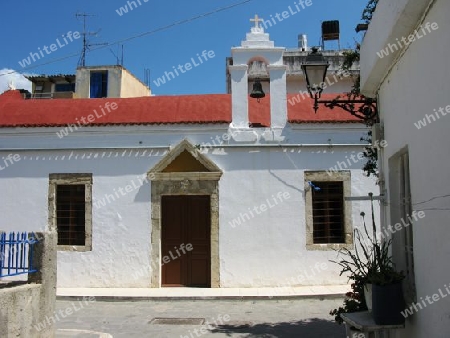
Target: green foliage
(350, 57)
(371, 155)
(387, 276)
(369, 10)
(354, 301)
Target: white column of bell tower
(278, 96)
(239, 93)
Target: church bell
(257, 92)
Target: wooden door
(185, 241)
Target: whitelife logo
(129, 6)
(207, 326)
(415, 307)
(9, 160)
(85, 120)
(53, 48)
(52, 320)
(206, 55)
(405, 41)
(302, 94)
(279, 17)
(355, 158)
(429, 118)
(259, 209)
(165, 259)
(316, 270)
(109, 198)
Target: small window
(70, 214)
(99, 84)
(65, 87)
(70, 210)
(328, 212)
(328, 215)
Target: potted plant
(358, 265)
(387, 294)
(371, 267)
(386, 281)
(370, 246)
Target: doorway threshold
(130, 294)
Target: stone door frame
(184, 183)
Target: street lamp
(315, 69)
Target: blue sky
(25, 28)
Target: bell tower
(257, 57)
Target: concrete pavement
(250, 318)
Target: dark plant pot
(387, 304)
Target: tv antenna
(86, 44)
(119, 61)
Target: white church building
(195, 190)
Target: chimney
(303, 42)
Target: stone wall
(26, 310)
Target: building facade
(195, 190)
(88, 82)
(403, 64)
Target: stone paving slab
(265, 318)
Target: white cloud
(18, 80)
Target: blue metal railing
(16, 254)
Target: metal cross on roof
(257, 20)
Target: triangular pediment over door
(185, 162)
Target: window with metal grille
(70, 214)
(328, 212)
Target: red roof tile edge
(15, 111)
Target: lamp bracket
(362, 107)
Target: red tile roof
(183, 109)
